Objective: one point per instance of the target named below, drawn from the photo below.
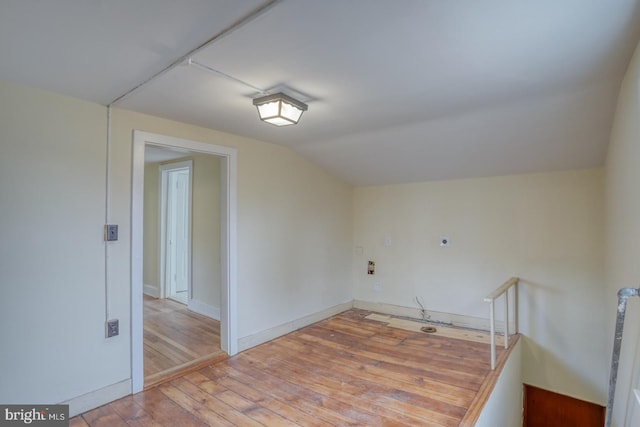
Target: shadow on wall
(547, 315)
(550, 365)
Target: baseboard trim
(204, 309)
(151, 290)
(436, 316)
(92, 400)
(253, 340)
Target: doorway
(228, 262)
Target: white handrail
(491, 298)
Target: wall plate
(110, 232)
(113, 328)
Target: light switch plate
(113, 328)
(110, 232)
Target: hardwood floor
(176, 339)
(343, 371)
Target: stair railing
(623, 295)
(503, 290)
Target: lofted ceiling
(398, 90)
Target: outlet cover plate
(110, 232)
(113, 328)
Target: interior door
(181, 231)
(177, 208)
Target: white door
(181, 231)
(177, 240)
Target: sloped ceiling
(398, 91)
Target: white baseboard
(151, 290)
(96, 398)
(204, 309)
(436, 316)
(253, 340)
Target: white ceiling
(398, 90)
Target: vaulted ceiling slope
(398, 91)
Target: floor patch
(443, 331)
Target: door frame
(165, 170)
(228, 243)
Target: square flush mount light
(279, 109)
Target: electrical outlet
(113, 328)
(377, 287)
(371, 267)
(110, 232)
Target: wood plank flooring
(344, 371)
(176, 338)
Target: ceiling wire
(251, 16)
(223, 75)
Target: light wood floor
(343, 371)
(176, 339)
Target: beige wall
(623, 239)
(206, 278)
(545, 228)
(294, 224)
(151, 233)
(205, 263)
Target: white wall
(544, 228)
(294, 241)
(623, 239)
(52, 211)
(504, 405)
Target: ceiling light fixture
(279, 109)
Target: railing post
(491, 299)
(506, 318)
(515, 308)
(493, 331)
